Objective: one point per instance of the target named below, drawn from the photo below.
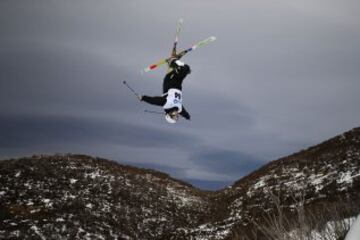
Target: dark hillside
(81, 197)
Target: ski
(178, 29)
(173, 52)
(155, 65)
(197, 45)
(182, 53)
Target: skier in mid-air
(171, 100)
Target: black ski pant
(157, 100)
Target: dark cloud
(45, 78)
(209, 185)
(234, 164)
(179, 173)
(24, 131)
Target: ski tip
(212, 38)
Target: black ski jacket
(173, 79)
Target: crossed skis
(173, 54)
(181, 53)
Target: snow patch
(93, 175)
(346, 178)
(181, 197)
(47, 202)
(73, 180)
(38, 232)
(212, 232)
(90, 205)
(259, 184)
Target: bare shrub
(300, 223)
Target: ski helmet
(172, 117)
(180, 63)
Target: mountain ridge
(81, 197)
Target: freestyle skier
(171, 99)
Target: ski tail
(173, 52)
(155, 65)
(178, 30)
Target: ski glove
(185, 114)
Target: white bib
(173, 99)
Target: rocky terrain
(81, 197)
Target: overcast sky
(282, 76)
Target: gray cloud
(234, 164)
(26, 131)
(40, 76)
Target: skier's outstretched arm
(184, 113)
(157, 100)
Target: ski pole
(154, 112)
(131, 89)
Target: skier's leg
(158, 101)
(184, 113)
